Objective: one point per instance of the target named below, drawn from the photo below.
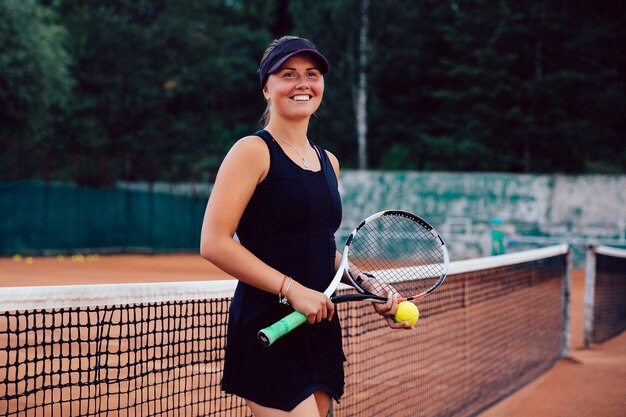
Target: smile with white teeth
(302, 97)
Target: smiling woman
(294, 91)
(278, 53)
(278, 191)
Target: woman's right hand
(315, 305)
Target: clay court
(589, 383)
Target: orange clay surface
(106, 269)
(592, 383)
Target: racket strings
(399, 253)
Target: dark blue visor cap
(286, 50)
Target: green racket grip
(283, 326)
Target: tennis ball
(406, 311)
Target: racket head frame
(356, 283)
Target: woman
(278, 192)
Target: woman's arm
(243, 168)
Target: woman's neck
(294, 133)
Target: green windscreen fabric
(38, 218)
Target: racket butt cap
(265, 341)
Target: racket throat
(358, 281)
(358, 297)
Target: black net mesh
(482, 335)
(609, 307)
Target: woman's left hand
(387, 309)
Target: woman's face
(295, 91)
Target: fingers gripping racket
(389, 252)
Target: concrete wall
(538, 209)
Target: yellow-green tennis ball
(406, 311)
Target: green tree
(476, 84)
(164, 87)
(160, 89)
(495, 85)
(35, 85)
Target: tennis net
(157, 349)
(605, 293)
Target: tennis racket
(389, 252)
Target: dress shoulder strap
(264, 135)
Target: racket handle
(283, 326)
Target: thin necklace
(304, 162)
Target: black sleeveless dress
(289, 224)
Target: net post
(590, 293)
(566, 337)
